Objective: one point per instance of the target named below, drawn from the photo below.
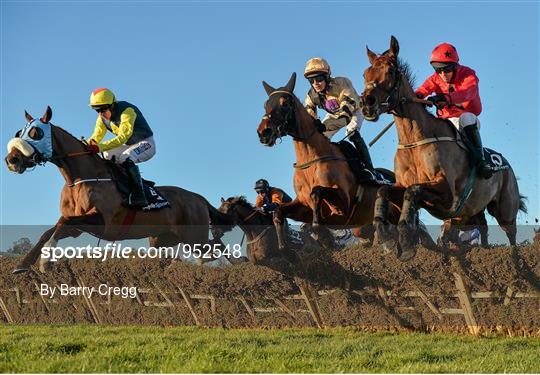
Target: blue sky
(195, 70)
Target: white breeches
(466, 119)
(139, 152)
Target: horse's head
(382, 80)
(31, 145)
(279, 119)
(237, 207)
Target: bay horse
(90, 201)
(262, 242)
(431, 163)
(326, 189)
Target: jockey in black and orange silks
(268, 197)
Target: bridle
(393, 102)
(248, 217)
(287, 125)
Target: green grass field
(89, 348)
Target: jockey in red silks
(457, 98)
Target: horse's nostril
(267, 132)
(13, 160)
(370, 100)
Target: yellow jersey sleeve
(123, 131)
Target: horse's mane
(409, 76)
(66, 132)
(240, 200)
(406, 70)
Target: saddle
(363, 174)
(155, 199)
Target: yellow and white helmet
(101, 97)
(316, 66)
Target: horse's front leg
(293, 210)
(436, 193)
(71, 226)
(407, 226)
(384, 219)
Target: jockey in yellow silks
(133, 142)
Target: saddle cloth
(496, 159)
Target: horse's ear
(394, 47)
(28, 117)
(47, 116)
(269, 89)
(222, 200)
(291, 83)
(371, 55)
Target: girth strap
(426, 141)
(318, 160)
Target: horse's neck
(313, 144)
(414, 123)
(251, 226)
(76, 167)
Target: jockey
(457, 98)
(133, 142)
(337, 96)
(268, 197)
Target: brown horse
(326, 189)
(431, 164)
(90, 201)
(258, 227)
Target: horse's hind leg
(481, 223)
(506, 222)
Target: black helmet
(261, 184)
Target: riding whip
(381, 133)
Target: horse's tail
(522, 205)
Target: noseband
(392, 101)
(288, 125)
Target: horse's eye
(36, 133)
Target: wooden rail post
(310, 301)
(465, 303)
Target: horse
(431, 164)
(90, 201)
(326, 189)
(258, 228)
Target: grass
(90, 348)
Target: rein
(260, 235)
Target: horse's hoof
(19, 269)
(45, 267)
(407, 254)
(389, 247)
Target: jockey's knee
(468, 119)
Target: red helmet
(444, 53)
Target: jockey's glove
(92, 148)
(269, 207)
(438, 100)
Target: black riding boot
(473, 135)
(362, 149)
(136, 198)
